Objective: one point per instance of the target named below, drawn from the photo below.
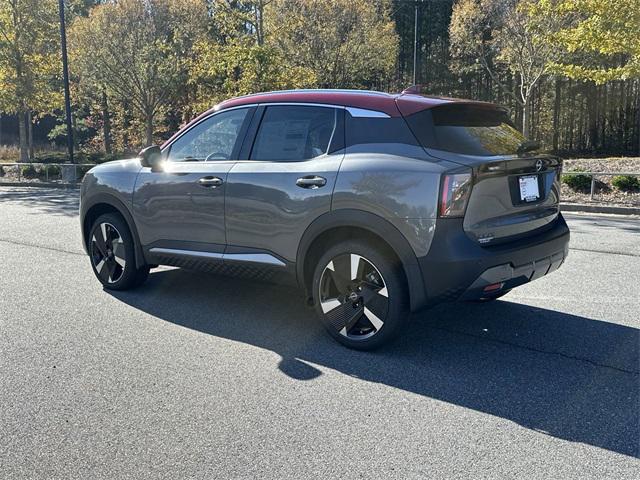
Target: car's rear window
(466, 129)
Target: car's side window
(211, 139)
(294, 133)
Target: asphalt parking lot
(196, 376)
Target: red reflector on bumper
(493, 287)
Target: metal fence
(594, 175)
(64, 173)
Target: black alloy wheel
(360, 295)
(353, 296)
(108, 253)
(111, 250)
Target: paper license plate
(529, 191)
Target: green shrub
(51, 157)
(626, 183)
(2, 171)
(52, 170)
(29, 171)
(578, 182)
(82, 171)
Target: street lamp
(65, 76)
(415, 41)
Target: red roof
(382, 102)
(392, 104)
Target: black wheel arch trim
(378, 226)
(117, 204)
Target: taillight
(454, 194)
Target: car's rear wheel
(361, 295)
(112, 254)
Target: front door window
(214, 138)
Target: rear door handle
(210, 182)
(311, 181)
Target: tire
(490, 298)
(112, 254)
(360, 295)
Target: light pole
(415, 41)
(65, 77)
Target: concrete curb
(585, 207)
(39, 184)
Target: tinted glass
(389, 136)
(363, 130)
(294, 133)
(211, 139)
(466, 129)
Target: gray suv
(375, 205)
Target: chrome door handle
(210, 182)
(311, 181)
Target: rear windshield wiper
(528, 145)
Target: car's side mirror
(151, 157)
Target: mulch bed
(604, 193)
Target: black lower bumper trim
(457, 268)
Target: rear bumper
(457, 268)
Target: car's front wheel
(360, 294)
(112, 254)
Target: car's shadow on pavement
(567, 376)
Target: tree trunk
(556, 114)
(22, 132)
(572, 111)
(148, 123)
(260, 23)
(106, 124)
(603, 115)
(526, 114)
(518, 104)
(30, 136)
(620, 129)
(126, 124)
(638, 110)
(592, 115)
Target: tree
(137, 51)
(602, 36)
(505, 34)
(602, 41)
(234, 60)
(29, 63)
(240, 68)
(346, 43)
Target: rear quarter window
(381, 135)
(466, 129)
